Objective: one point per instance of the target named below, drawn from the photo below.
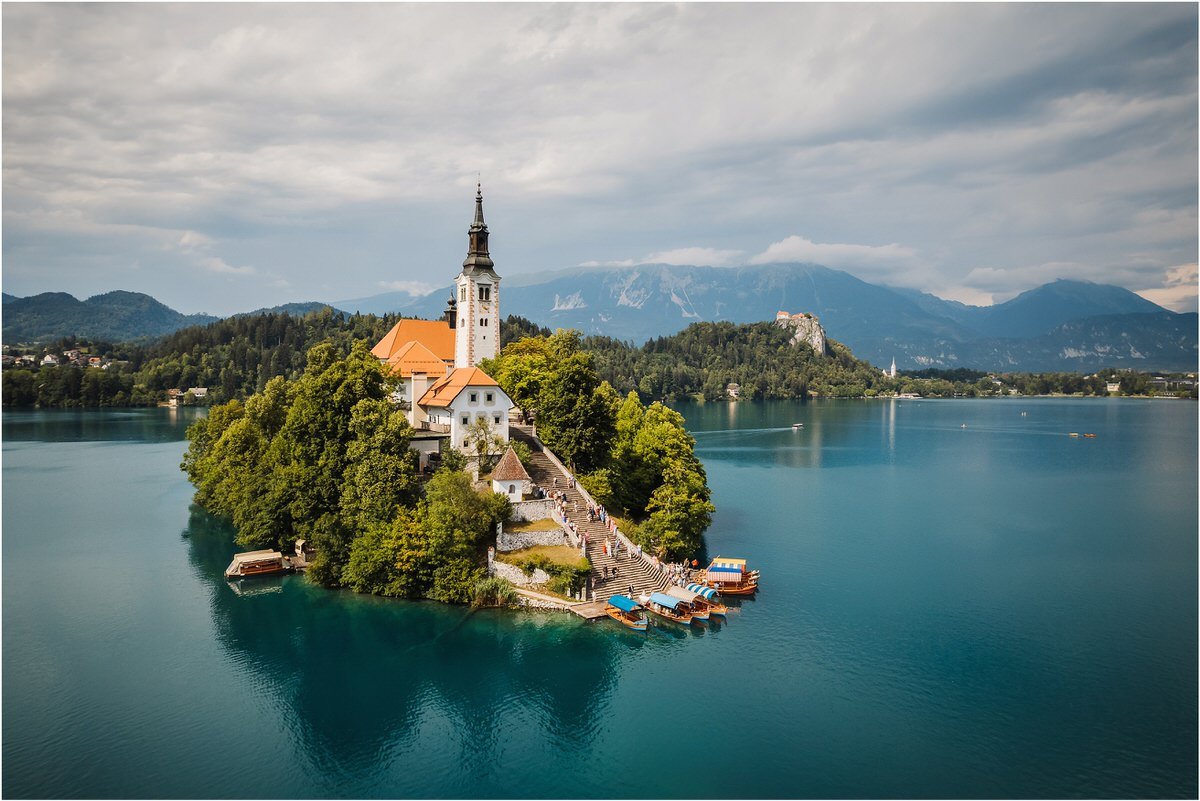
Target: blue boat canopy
(665, 600)
(707, 593)
(623, 602)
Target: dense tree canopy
(326, 458)
(636, 460)
(553, 381)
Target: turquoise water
(996, 610)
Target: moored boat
(695, 604)
(257, 563)
(667, 608)
(730, 577)
(709, 594)
(626, 611)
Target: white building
(509, 477)
(436, 361)
(478, 302)
(463, 397)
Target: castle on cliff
(805, 327)
(441, 385)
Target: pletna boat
(667, 608)
(257, 563)
(797, 425)
(699, 607)
(730, 577)
(709, 594)
(626, 611)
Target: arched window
(511, 489)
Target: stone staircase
(644, 577)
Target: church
(442, 387)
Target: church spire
(477, 235)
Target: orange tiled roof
(413, 357)
(433, 334)
(447, 389)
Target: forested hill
(114, 316)
(233, 358)
(705, 358)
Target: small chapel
(442, 388)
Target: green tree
(482, 438)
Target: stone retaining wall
(539, 603)
(516, 575)
(516, 540)
(528, 511)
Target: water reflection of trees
(360, 675)
(99, 425)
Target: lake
(958, 600)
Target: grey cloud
(315, 139)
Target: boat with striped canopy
(689, 601)
(709, 597)
(626, 611)
(730, 577)
(667, 608)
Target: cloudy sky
(223, 157)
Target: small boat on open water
(257, 563)
(797, 425)
(730, 577)
(667, 608)
(626, 611)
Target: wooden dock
(590, 610)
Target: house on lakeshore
(442, 389)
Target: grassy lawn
(559, 554)
(533, 525)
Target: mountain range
(1063, 325)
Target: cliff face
(805, 328)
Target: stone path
(644, 577)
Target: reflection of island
(362, 677)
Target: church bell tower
(477, 334)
